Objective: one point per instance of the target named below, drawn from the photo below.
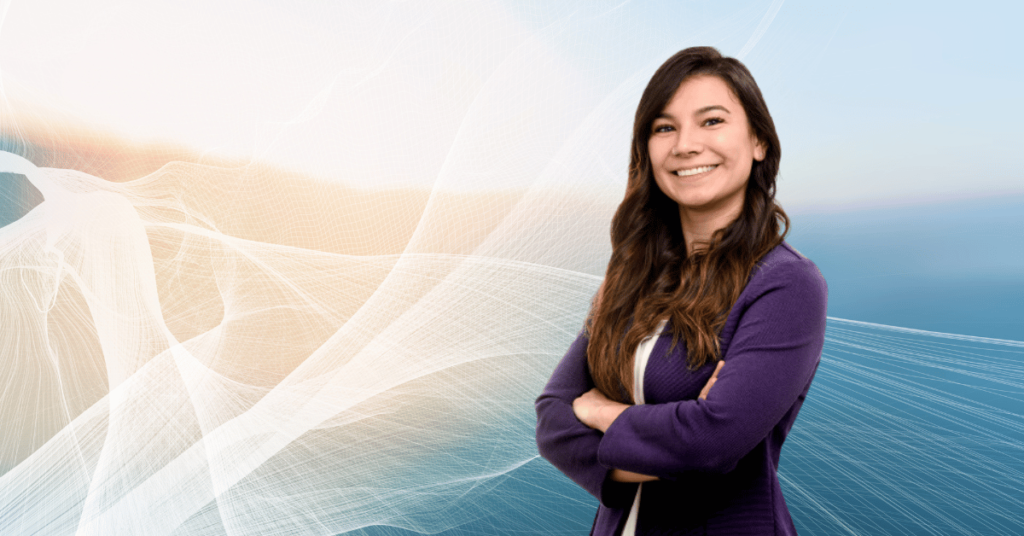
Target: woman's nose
(688, 143)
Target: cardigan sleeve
(769, 363)
(567, 443)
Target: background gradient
(298, 267)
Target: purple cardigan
(716, 458)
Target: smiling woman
(643, 403)
(702, 150)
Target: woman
(643, 411)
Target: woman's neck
(698, 226)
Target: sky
(876, 103)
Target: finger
(711, 381)
(707, 387)
(714, 375)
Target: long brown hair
(650, 276)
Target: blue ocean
(915, 421)
(905, 431)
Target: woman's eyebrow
(704, 110)
(707, 109)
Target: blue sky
(876, 103)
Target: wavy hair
(650, 276)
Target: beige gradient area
(216, 347)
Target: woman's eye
(663, 128)
(712, 121)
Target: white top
(643, 353)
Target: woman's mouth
(695, 171)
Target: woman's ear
(760, 149)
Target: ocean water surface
(912, 426)
(905, 431)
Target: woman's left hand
(596, 410)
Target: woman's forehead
(702, 93)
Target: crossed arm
(602, 445)
(598, 412)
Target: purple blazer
(716, 458)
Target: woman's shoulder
(782, 253)
(785, 266)
(786, 293)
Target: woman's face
(702, 149)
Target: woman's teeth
(694, 171)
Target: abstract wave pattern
(909, 432)
(162, 377)
(164, 374)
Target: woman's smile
(689, 172)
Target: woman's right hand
(620, 475)
(711, 381)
